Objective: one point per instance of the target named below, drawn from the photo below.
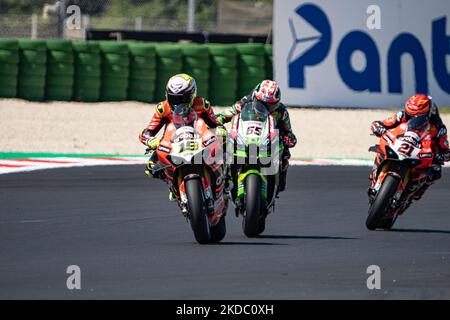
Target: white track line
(72, 162)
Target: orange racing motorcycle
(405, 156)
(190, 158)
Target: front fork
(215, 208)
(239, 201)
(397, 170)
(207, 192)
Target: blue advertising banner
(361, 53)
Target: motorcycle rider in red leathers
(417, 105)
(268, 92)
(181, 88)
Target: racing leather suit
(283, 124)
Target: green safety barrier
(91, 71)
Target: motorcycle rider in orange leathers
(180, 89)
(418, 105)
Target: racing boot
(405, 207)
(281, 183)
(149, 168)
(229, 185)
(371, 191)
(436, 174)
(172, 197)
(150, 165)
(419, 193)
(283, 171)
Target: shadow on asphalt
(242, 243)
(304, 237)
(421, 231)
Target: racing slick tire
(218, 231)
(197, 211)
(250, 223)
(387, 223)
(381, 201)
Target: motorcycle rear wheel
(197, 211)
(381, 202)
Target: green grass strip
(23, 155)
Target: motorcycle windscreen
(183, 115)
(254, 111)
(408, 145)
(254, 116)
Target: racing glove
(287, 141)
(446, 156)
(378, 129)
(220, 119)
(442, 157)
(221, 131)
(152, 143)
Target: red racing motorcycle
(405, 156)
(190, 157)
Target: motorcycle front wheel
(250, 223)
(381, 202)
(197, 211)
(387, 223)
(219, 230)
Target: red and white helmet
(269, 93)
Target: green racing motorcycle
(253, 158)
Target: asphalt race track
(118, 226)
